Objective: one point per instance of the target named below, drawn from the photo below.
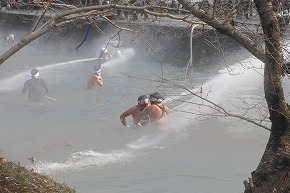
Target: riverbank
(151, 43)
(15, 178)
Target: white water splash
(83, 160)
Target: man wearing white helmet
(135, 110)
(158, 113)
(104, 56)
(118, 55)
(36, 87)
(95, 79)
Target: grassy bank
(15, 178)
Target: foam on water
(89, 158)
(148, 141)
(85, 159)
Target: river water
(80, 140)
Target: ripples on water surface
(80, 140)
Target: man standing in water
(36, 87)
(95, 79)
(157, 111)
(135, 110)
(104, 56)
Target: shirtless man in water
(157, 111)
(104, 56)
(135, 110)
(95, 79)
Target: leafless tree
(273, 171)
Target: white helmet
(11, 36)
(118, 53)
(103, 50)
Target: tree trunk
(273, 171)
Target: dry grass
(15, 178)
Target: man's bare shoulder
(131, 110)
(150, 108)
(134, 108)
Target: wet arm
(124, 115)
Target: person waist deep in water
(36, 87)
(95, 79)
(135, 110)
(158, 112)
(104, 56)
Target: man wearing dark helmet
(36, 87)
